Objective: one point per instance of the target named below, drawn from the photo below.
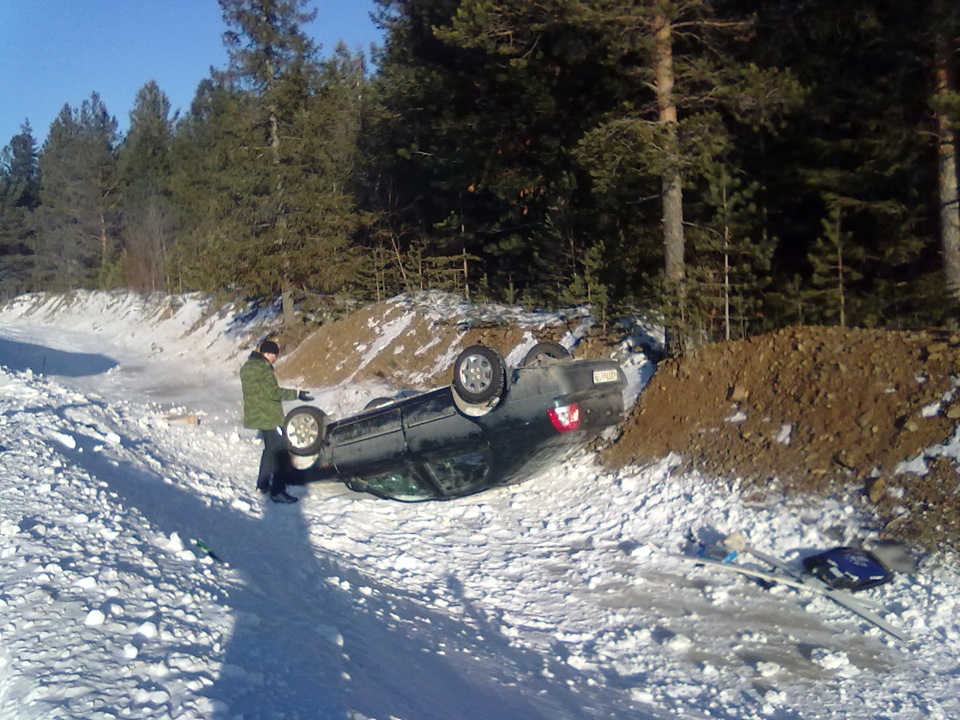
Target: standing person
(263, 411)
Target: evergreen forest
(729, 167)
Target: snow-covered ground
(558, 598)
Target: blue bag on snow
(848, 568)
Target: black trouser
(274, 463)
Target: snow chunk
(830, 659)
(678, 643)
(783, 436)
(767, 668)
(174, 543)
(917, 466)
(148, 630)
(931, 410)
(68, 441)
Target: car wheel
(479, 374)
(378, 402)
(543, 352)
(304, 429)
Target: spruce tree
(475, 149)
(144, 177)
(290, 172)
(864, 134)
(202, 164)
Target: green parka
(261, 394)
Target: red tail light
(565, 418)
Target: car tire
(304, 429)
(479, 375)
(545, 351)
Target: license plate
(604, 376)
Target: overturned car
(492, 426)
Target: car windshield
(402, 484)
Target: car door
(434, 427)
(371, 439)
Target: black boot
(283, 497)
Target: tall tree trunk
(673, 238)
(104, 240)
(841, 280)
(287, 310)
(946, 82)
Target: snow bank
(561, 597)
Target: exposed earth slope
(810, 409)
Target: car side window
(459, 473)
(400, 484)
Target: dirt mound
(407, 343)
(813, 410)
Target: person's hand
(305, 396)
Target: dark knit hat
(269, 347)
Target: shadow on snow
(42, 360)
(306, 644)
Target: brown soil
(413, 357)
(801, 410)
(813, 410)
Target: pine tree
(834, 259)
(19, 197)
(639, 95)
(76, 240)
(946, 104)
(731, 258)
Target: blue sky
(54, 52)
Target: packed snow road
(557, 598)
